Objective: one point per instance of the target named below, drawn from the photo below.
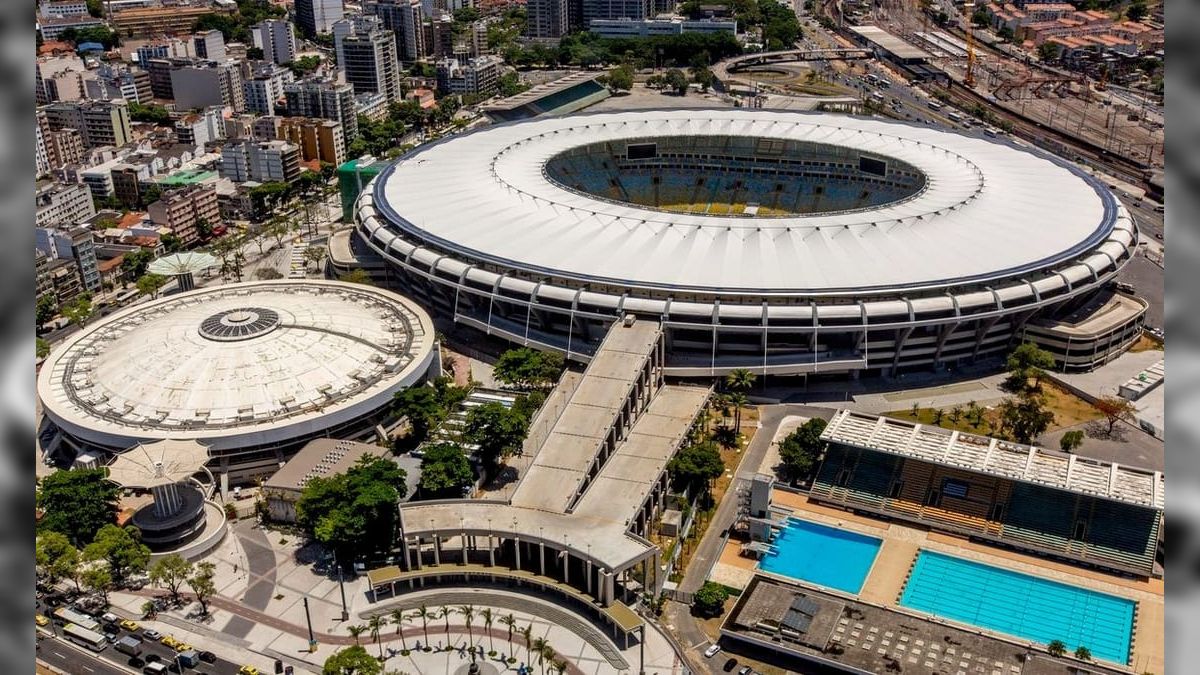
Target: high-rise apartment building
(62, 203)
(325, 99)
(261, 161)
(208, 83)
(209, 45)
(98, 122)
(74, 244)
(264, 85)
(314, 17)
(478, 76)
(367, 56)
(276, 39)
(404, 18)
(546, 19)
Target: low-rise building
(631, 28)
(64, 279)
(197, 129)
(324, 458)
(74, 244)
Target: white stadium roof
(989, 209)
(238, 365)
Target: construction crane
(969, 78)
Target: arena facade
(250, 370)
(784, 242)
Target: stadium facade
(250, 370)
(788, 243)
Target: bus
(934, 105)
(955, 116)
(873, 78)
(85, 638)
(66, 615)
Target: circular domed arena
(249, 370)
(783, 242)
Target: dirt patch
(1146, 343)
(1069, 410)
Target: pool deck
(902, 542)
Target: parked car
(711, 651)
(729, 665)
(151, 634)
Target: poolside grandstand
(558, 97)
(1098, 513)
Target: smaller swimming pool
(1021, 605)
(822, 555)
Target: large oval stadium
(784, 242)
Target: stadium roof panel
(993, 456)
(989, 210)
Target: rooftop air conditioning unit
(628, 320)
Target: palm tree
(559, 665)
(446, 612)
(527, 633)
(488, 617)
(510, 621)
(423, 614)
(916, 410)
(540, 647)
(740, 379)
(720, 403)
(737, 399)
(468, 614)
(398, 619)
(938, 414)
(355, 631)
(377, 623)
(956, 414)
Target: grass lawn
(1068, 410)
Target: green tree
(150, 284)
(422, 612)
(489, 617)
(1115, 409)
(621, 78)
(981, 18)
(356, 276)
(155, 114)
(799, 450)
(171, 572)
(203, 584)
(424, 410)
(375, 624)
(1071, 440)
(738, 400)
(1083, 653)
(352, 661)
(56, 558)
(97, 578)
(498, 430)
(509, 621)
(121, 548)
(740, 379)
(79, 310)
(304, 65)
(356, 632)
(445, 470)
(47, 309)
(76, 503)
(468, 615)
(1137, 11)
(1025, 417)
(1056, 648)
(398, 617)
(703, 77)
(938, 415)
(314, 255)
(695, 466)
(1025, 362)
(41, 348)
(528, 368)
(134, 263)
(676, 81)
(353, 512)
(709, 601)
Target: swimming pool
(1021, 605)
(822, 555)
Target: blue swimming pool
(822, 555)
(1021, 605)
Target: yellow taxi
(248, 670)
(182, 647)
(129, 625)
(41, 620)
(170, 641)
